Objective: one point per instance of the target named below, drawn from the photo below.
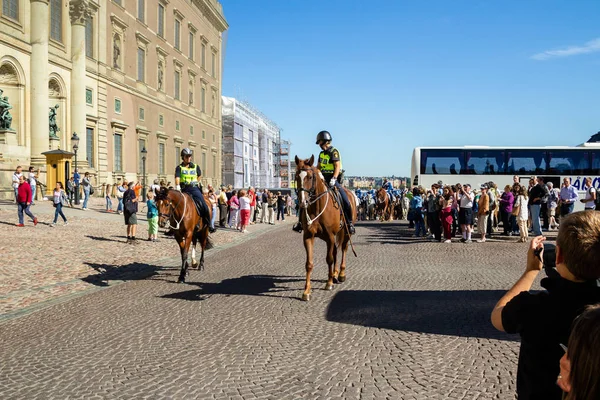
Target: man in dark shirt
(544, 319)
(538, 193)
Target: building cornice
(213, 11)
(118, 22)
(160, 51)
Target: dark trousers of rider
(346, 205)
(196, 194)
(435, 225)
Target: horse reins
(170, 214)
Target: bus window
(526, 162)
(594, 157)
(566, 162)
(485, 162)
(441, 161)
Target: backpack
(554, 197)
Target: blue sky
(387, 76)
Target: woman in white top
(244, 210)
(523, 213)
(590, 195)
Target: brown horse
(178, 212)
(321, 217)
(383, 205)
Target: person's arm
(29, 194)
(198, 172)
(177, 177)
(534, 266)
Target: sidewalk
(44, 264)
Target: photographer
(543, 319)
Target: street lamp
(75, 143)
(144, 152)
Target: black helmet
(323, 135)
(186, 152)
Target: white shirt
(589, 201)
(155, 187)
(32, 181)
(16, 177)
(466, 200)
(523, 211)
(244, 203)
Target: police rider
(330, 165)
(187, 179)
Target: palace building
(125, 75)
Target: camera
(549, 259)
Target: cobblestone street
(411, 322)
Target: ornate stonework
(79, 11)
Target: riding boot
(297, 227)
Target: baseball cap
(484, 186)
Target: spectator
(59, 199)
(455, 203)
(521, 211)
(492, 223)
(568, 197)
(483, 213)
(24, 201)
(152, 216)
(70, 190)
(543, 319)
(271, 208)
(516, 188)
(138, 189)
(212, 198)
(553, 196)
(234, 206)
(447, 201)
(288, 201)
(252, 196)
(107, 197)
(222, 207)
(245, 210)
(433, 212)
(536, 195)
(506, 206)
(33, 176)
(16, 182)
(465, 213)
(87, 187)
(417, 205)
(121, 189)
(155, 187)
(590, 195)
(130, 203)
(280, 206)
(77, 181)
(265, 207)
(580, 365)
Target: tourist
(537, 193)
(212, 198)
(516, 189)
(70, 190)
(59, 199)
(130, 204)
(234, 206)
(272, 200)
(483, 213)
(121, 189)
(447, 202)
(252, 196)
(553, 196)
(416, 204)
(543, 319)
(265, 207)
(87, 188)
(280, 206)
(289, 204)
(465, 212)
(568, 197)
(580, 365)
(107, 188)
(33, 176)
(432, 205)
(16, 182)
(521, 212)
(507, 199)
(155, 187)
(152, 216)
(24, 201)
(590, 195)
(245, 209)
(222, 207)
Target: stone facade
(126, 74)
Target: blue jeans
(108, 203)
(24, 208)
(535, 219)
(566, 209)
(16, 193)
(419, 224)
(58, 211)
(33, 194)
(120, 206)
(280, 210)
(214, 216)
(86, 196)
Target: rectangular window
(177, 125)
(214, 165)
(118, 106)
(177, 78)
(177, 34)
(142, 10)
(10, 8)
(118, 153)
(213, 64)
(524, 162)
(141, 70)
(89, 97)
(141, 145)
(56, 20)
(191, 38)
(203, 56)
(191, 131)
(568, 162)
(141, 113)
(203, 100)
(118, 2)
(203, 134)
(213, 137)
(204, 163)
(89, 146)
(161, 158)
(89, 37)
(440, 161)
(177, 153)
(485, 162)
(161, 120)
(161, 20)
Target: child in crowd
(152, 216)
(107, 196)
(544, 319)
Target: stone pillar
(79, 11)
(40, 125)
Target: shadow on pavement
(458, 313)
(249, 285)
(106, 273)
(108, 239)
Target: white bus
(480, 164)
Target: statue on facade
(160, 76)
(116, 52)
(5, 116)
(53, 127)
(191, 94)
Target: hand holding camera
(535, 254)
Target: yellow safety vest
(188, 175)
(325, 164)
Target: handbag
(516, 210)
(91, 190)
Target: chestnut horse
(384, 205)
(321, 217)
(178, 212)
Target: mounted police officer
(187, 179)
(330, 165)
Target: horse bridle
(171, 209)
(312, 191)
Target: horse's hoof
(180, 280)
(328, 287)
(335, 279)
(306, 297)
(342, 278)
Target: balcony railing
(284, 152)
(283, 163)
